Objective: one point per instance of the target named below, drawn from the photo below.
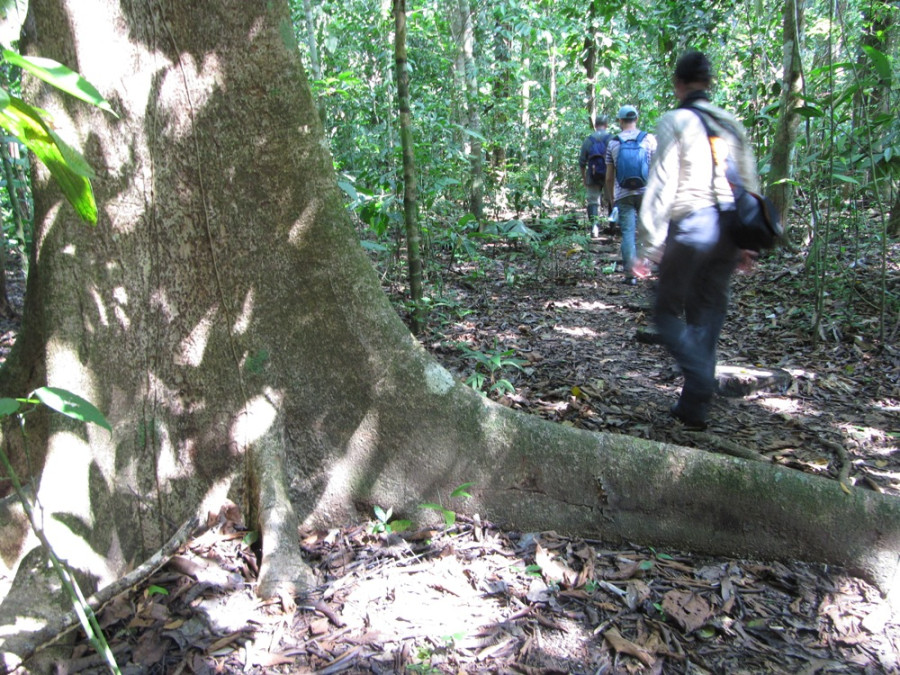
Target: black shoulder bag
(755, 224)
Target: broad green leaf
(845, 179)
(831, 67)
(59, 76)
(348, 189)
(398, 526)
(8, 406)
(461, 490)
(469, 132)
(68, 168)
(809, 111)
(156, 590)
(4, 98)
(70, 405)
(373, 246)
(881, 62)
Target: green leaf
(156, 590)
(373, 246)
(809, 111)
(880, 61)
(400, 525)
(8, 406)
(845, 179)
(67, 166)
(646, 565)
(461, 490)
(59, 76)
(250, 538)
(71, 405)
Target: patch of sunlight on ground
(582, 304)
(779, 405)
(577, 331)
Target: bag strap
(717, 172)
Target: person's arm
(610, 184)
(662, 188)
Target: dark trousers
(691, 303)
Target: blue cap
(627, 112)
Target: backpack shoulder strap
(641, 136)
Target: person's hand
(747, 262)
(641, 268)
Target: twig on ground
(51, 632)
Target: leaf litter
(474, 598)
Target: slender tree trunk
(315, 65)
(780, 190)
(894, 218)
(589, 61)
(6, 309)
(224, 318)
(410, 205)
(464, 34)
(309, 21)
(502, 90)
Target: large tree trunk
(229, 325)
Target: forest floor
(474, 598)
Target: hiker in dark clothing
(592, 161)
(681, 229)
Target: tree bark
(225, 319)
(464, 34)
(780, 190)
(410, 205)
(589, 61)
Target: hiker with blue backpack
(628, 157)
(592, 161)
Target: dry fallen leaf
(623, 646)
(688, 609)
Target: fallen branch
(54, 630)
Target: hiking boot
(595, 231)
(690, 422)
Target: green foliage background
(534, 106)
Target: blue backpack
(596, 167)
(632, 163)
